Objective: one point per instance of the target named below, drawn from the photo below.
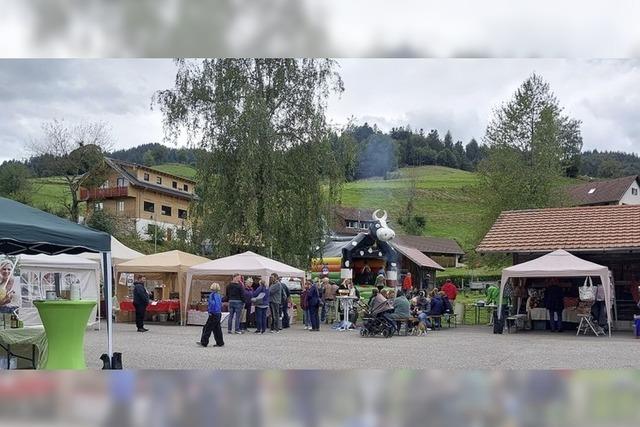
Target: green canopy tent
(26, 230)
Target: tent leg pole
(106, 268)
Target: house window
(120, 182)
(159, 180)
(174, 184)
(182, 214)
(149, 207)
(98, 206)
(185, 187)
(120, 206)
(146, 177)
(634, 191)
(166, 210)
(352, 224)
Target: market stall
(246, 263)
(165, 275)
(26, 230)
(559, 264)
(58, 272)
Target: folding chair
(586, 324)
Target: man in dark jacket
(313, 301)
(140, 302)
(554, 301)
(286, 298)
(234, 295)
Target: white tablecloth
(568, 314)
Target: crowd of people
(252, 303)
(397, 306)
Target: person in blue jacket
(213, 322)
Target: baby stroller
(375, 319)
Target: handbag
(587, 292)
(257, 300)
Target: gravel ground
(465, 347)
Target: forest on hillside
(369, 152)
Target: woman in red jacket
(450, 290)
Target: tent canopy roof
(26, 230)
(168, 262)
(119, 253)
(245, 263)
(57, 262)
(559, 263)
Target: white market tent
(119, 253)
(246, 263)
(39, 271)
(559, 263)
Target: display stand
(64, 324)
(347, 304)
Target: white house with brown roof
(619, 191)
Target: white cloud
(446, 94)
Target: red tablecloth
(164, 306)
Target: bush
(103, 221)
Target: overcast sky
(455, 94)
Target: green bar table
(64, 324)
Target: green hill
(49, 192)
(178, 169)
(445, 196)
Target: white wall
(141, 227)
(629, 198)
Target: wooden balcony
(102, 193)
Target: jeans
(314, 317)
(286, 322)
(275, 316)
(235, 310)
(424, 318)
(261, 319)
(599, 313)
(306, 317)
(212, 326)
(555, 321)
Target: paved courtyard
(468, 347)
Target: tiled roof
(585, 228)
(417, 257)
(432, 245)
(600, 192)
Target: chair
(586, 324)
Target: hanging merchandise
(587, 292)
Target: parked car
(294, 284)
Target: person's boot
(106, 363)
(116, 361)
